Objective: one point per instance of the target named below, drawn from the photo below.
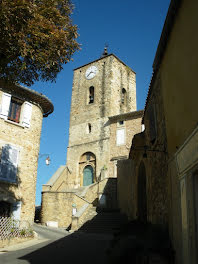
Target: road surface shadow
(74, 248)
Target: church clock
(91, 72)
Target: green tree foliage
(36, 38)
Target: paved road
(58, 246)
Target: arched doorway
(142, 196)
(87, 169)
(87, 175)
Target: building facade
(21, 114)
(164, 158)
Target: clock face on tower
(91, 72)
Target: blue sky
(132, 31)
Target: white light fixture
(47, 161)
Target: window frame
(13, 103)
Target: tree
(36, 38)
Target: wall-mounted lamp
(47, 160)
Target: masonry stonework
(27, 141)
(112, 76)
(98, 104)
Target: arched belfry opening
(124, 94)
(87, 168)
(91, 95)
(142, 194)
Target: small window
(14, 110)
(121, 123)
(123, 99)
(89, 128)
(91, 95)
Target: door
(87, 175)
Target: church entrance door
(87, 175)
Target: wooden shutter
(13, 163)
(5, 105)
(3, 164)
(120, 136)
(27, 113)
(9, 163)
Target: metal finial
(105, 52)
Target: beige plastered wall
(179, 76)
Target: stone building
(21, 114)
(164, 158)
(144, 175)
(103, 120)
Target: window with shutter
(9, 163)
(120, 137)
(15, 110)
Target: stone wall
(107, 194)
(131, 125)
(27, 140)
(57, 207)
(126, 188)
(149, 149)
(111, 77)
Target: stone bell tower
(102, 88)
(103, 121)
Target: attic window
(91, 95)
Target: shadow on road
(74, 248)
(107, 240)
(87, 245)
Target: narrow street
(58, 246)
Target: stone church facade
(103, 121)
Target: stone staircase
(141, 243)
(104, 222)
